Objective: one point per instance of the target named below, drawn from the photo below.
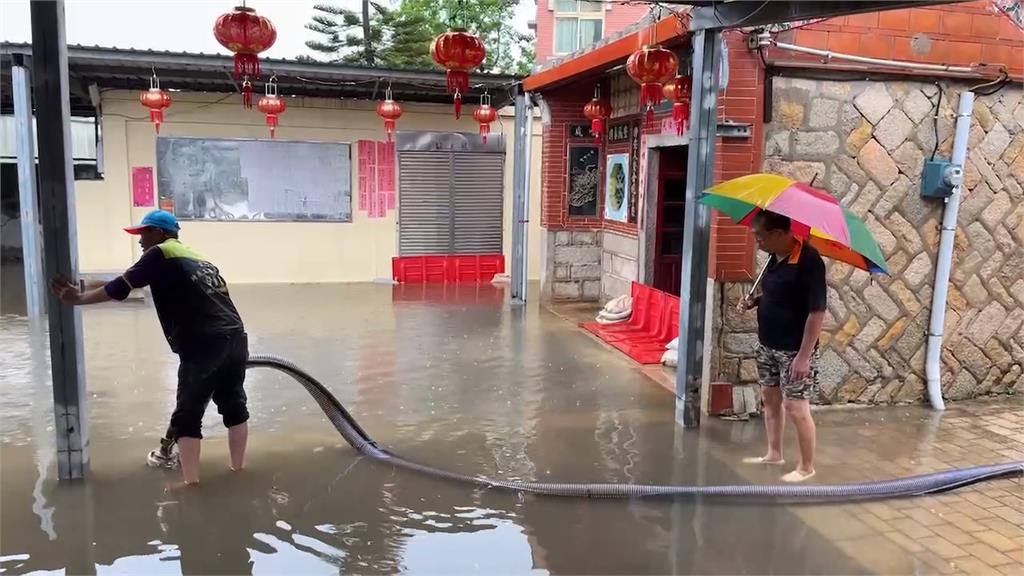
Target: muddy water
(451, 377)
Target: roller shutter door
(450, 202)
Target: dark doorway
(668, 243)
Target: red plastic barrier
(653, 324)
(447, 268)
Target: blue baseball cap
(156, 219)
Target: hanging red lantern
(245, 33)
(484, 114)
(272, 105)
(596, 111)
(390, 111)
(458, 52)
(156, 100)
(651, 66)
(677, 91)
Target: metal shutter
(478, 182)
(424, 203)
(450, 202)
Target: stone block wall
(619, 264)
(576, 261)
(865, 142)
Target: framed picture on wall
(616, 188)
(584, 180)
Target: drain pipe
(944, 261)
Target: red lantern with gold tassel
(596, 111)
(677, 91)
(390, 111)
(245, 33)
(458, 52)
(272, 105)
(484, 114)
(156, 100)
(651, 67)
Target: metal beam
(520, 163)
(707, 45)
(722, 15)
(57, 203)
(31, 238)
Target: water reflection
(450, 377)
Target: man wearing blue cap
(202, 326)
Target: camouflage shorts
(773, 370)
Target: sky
(178, 25)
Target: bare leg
(188, 452)
(774, 421)
(799, 412)
(237, 437)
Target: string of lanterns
(247, 34)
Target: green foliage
(400, 37)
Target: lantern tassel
(247, 96)
(485, 129)
(389, 127)
(272, 124)
(680, 111)
(157, 118)
(597, 127)
(458, 81)
(458, 105)
(247, 65)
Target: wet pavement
(451, 376)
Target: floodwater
(451, 376)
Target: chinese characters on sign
(634, 169)
(580, 132)
(619, 132)
(142, 186)
(376, 178)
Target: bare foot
(179, 486)
(233, 469)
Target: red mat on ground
(653, 324)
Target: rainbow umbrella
(817, 216)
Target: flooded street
(450, 376)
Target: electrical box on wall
(939, 177)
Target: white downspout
(944, 261)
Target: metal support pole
(527, 178)
(31, 237)
(57, 207)
(519, 187)
(697, 224)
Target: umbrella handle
(760, 275)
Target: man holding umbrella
(790, 312)
(797, 225)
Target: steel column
(60, 255)
(697, 224)
(31, 238)
(520, 164)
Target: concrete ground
(454, 377)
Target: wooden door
(668, 249)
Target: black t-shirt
(791, 290)
(190, 296)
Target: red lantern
(651, 66)
(596, 111)
(458, 52)
(156, 100)
(246, 34)
(484, 114)
(272, 105)
(390, 111)
(677, 90)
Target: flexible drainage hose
(912, 486)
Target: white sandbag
(619, 305)
(670, 358)
(673, 345)
(614, 316)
